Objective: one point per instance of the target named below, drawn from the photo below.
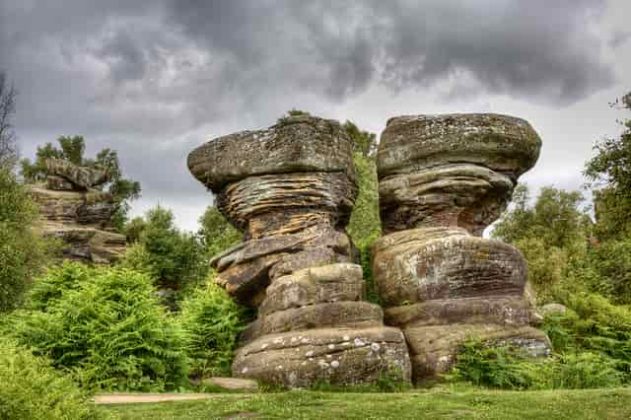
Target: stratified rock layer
(443, 179)
(77, 213)
(290, 189)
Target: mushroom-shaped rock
(442, 180)
(290, 188)
(451, 170)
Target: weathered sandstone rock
(291, 189)
(80, 177)
(75, 212)
(442, 180)
(335, 355)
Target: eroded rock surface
(290, 189)
(442, 180)
(73, 210)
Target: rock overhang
(502, 143)
(295, 144)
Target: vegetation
(73, 149)
(440, 402)
(506, 367)
(8, 147)
(211, 321)
(105, 327)
(31, 389)
(610, 174)
(22, 251)
(216, 234)
(174, 259)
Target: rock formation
(442, 180)
(74, 210)
(290, 189)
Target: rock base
(433, 349)
(339, 356)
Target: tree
(556, 218)
(552, 234)
(216, 234)
(8, 148)
(72, 149)
(22, 252)
(610, 174)
(174, 259)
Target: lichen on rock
(442, 180)
(290, 189)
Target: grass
(447, 403)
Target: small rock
(232, 384)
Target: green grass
(449, 403)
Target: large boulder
(442, 180)
(291, 188)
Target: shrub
(593, 324)
(106, 327)
(21, 251)
(211, 321)
(505, 367)
(31, 389)
(493, 367)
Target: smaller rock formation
(74, 210)
(443, 179)
(290, 189)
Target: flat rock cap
(500, 142)
(295, 144)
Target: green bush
(31, 389)
(106, 327)
(593, 324)
(505, 367)
(211, 321)
(22, 253)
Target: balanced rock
(442, 180)
(290, 189)
(75, 211)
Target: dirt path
(135, 398)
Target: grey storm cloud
(151, 77)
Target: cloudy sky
(153, 79)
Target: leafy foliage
(593, 324)
(22, 252)
(105, 326)
(30, 389)
(610, 173)
(174, 259)
(216, 233)
(505, 367)
(73, 149)
(211, 321)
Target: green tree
(609, 172)
(22, 252)
(553, 234)
(73, 149)
(174, 259)
(216, 233)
